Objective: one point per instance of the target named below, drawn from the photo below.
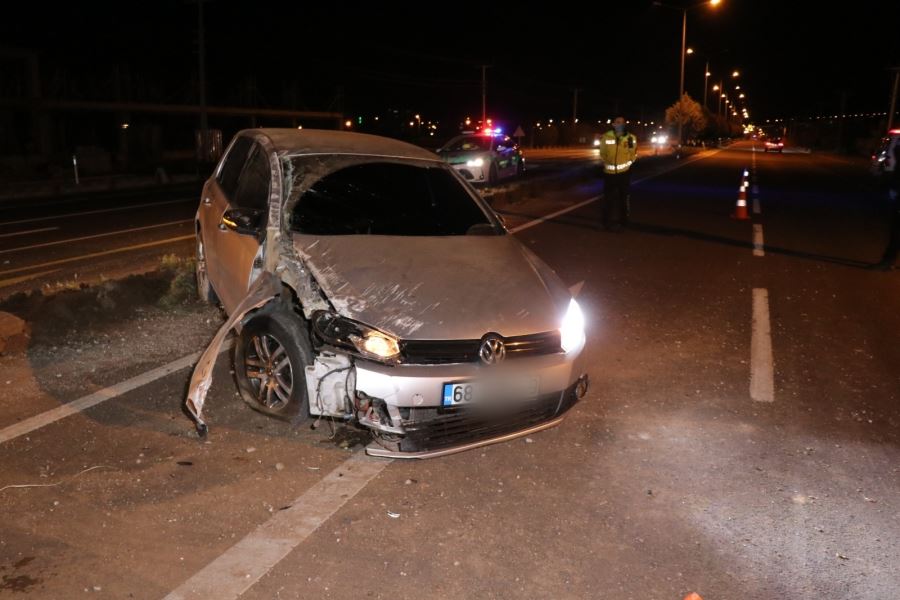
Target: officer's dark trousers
(615, 199)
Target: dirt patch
(97, 335)
(18, 583)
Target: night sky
(796, 58)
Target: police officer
(893, 247)
(618, 149)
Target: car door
(241, 210)
(216, 194)
(505, 152)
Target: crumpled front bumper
(431, 433)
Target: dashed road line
(245, 563)
(762, 378)
(758, 245)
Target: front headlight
(571, 333)
(348, 334)
(477, 162)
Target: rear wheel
(270, 362)
(204, 288)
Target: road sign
(519, 132)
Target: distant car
(883, 160)
(400, 303)
(774, 145)
(485, 157)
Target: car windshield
(469, 144)
(390, 199)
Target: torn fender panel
(264, 290)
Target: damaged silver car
(370, 283)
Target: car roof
(298, 142)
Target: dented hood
(432, 288)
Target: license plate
(460, 393)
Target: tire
(270, 361)
(493, 175)
(205, 290)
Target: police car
(883, 160)
(484, 157)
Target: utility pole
(201, 54)
(890, 121)
(484, 95)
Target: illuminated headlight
(572, 331)
(596, 142)
(476, 162)
(661, 139)
(654, 139)
(356, 337)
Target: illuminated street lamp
(736, 74)
(684, 10)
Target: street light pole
(705, 82)
(681, 83)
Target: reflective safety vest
(617, 153)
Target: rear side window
(253, 186)
(388, 199)
(234, 162)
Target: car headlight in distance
(356, 337)
(596, 142)
(571, 334)
(475, 162)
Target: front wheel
(270, 362)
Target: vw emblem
(492, 350)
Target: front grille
(432, 429)
(441, 352)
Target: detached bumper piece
(432, 432)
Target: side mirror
(245, 221)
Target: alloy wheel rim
(268, 368)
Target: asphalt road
(739, 440)
(53, 242)
(56, 243)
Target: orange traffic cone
(693, 596)
(740, 210)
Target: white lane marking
(756, 207)
(762, 379)
(758, 246)
(27, 232)
(569, 209)
(98, 211)
(21, 278)
(554, 214)
(95, 236)
(63, 261)
(107, 393)
(245, 563)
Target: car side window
(253, 185)
(234, 162)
